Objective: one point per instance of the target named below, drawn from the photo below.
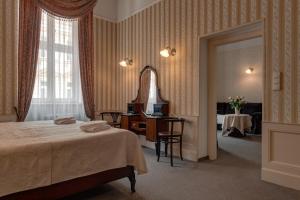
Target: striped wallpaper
(179, 24)
(175, 23)
(8, 56)
(106, 81)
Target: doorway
(239, 74)
(209, 79)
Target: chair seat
(114, 124)
(168, 134)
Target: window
(57, 89)
(56, 60)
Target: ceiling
(241, 44)
(118, 10)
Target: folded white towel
(65, 120)
(94, 122)
(95, 127)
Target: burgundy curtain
(29, 35)
(86, 58)
(30, 20)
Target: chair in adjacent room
(170, 137)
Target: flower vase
(237, 111)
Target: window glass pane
(43, 33)
(40, 89)
(63, 75)
(63, 32)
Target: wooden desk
(127, 119)
(153, 125)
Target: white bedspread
(36, 154)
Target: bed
(41, 160)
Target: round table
(241, 122)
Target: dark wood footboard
(67, 188)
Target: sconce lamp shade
(125, 62)
(249, 70)
(166, 52)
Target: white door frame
(207, 81)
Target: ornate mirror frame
(159, 98)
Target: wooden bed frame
(67, 188)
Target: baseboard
(188, 154)
(203, 158)
(281, 178)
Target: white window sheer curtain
(57, 89)
(152, 94)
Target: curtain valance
(67, 8)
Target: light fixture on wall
(249, 70)
(166, 52)
(125, 62)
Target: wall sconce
(126, 62)
(249, 70)
(166, 52)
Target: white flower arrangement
(237, 102)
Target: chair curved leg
(171, 154)
(166, 148)
(181, 148)
(156, 148)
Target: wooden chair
(170, 137)
(115, 116)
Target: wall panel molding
(280, 156)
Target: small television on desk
(134, 108)
(130, 108)
(160, 109)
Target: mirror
(149, 92)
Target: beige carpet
(234, 176)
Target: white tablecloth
(242, 122)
